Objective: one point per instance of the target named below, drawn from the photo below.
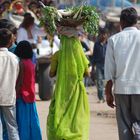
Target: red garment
(27, 89)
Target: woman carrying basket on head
(68, 117)
(69, 113)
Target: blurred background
(109, 12)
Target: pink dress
(27, 88)
(27, 116)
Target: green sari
(69, 113)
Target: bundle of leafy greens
(85, 16)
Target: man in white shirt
(122, 69)
(9, 69)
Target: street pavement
(102, 124)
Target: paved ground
(103, 122)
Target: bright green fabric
(68, 117)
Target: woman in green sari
(69, 113)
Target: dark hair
(4, 23)
(103, 31)
(129, 16)
(27, 15)
(24, 50)
(12, 28)
(4, 20)
(28, 21)
(5, 37)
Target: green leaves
(49, 16)
(91, 18)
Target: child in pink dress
(27, 117)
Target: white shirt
(9, 69)
(23, 35)
(122, 61)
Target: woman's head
(24, 50)
(28, 22)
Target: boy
(9, 69)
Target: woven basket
(70, 22)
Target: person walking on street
(122, 70)
(8, 76)
(98, 61)
(27, 116)
(69, 101)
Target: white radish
(42, 4)
(59, 14)
(78, 14)
(65, 13)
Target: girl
(27, 117)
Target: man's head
(103, 35)
(4, 23)
(5, 38)
(128, 17)
(28, 22)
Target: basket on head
(70, 22)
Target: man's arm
(109, 95)
(110, 72)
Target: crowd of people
(114, 60)
(18, 114)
